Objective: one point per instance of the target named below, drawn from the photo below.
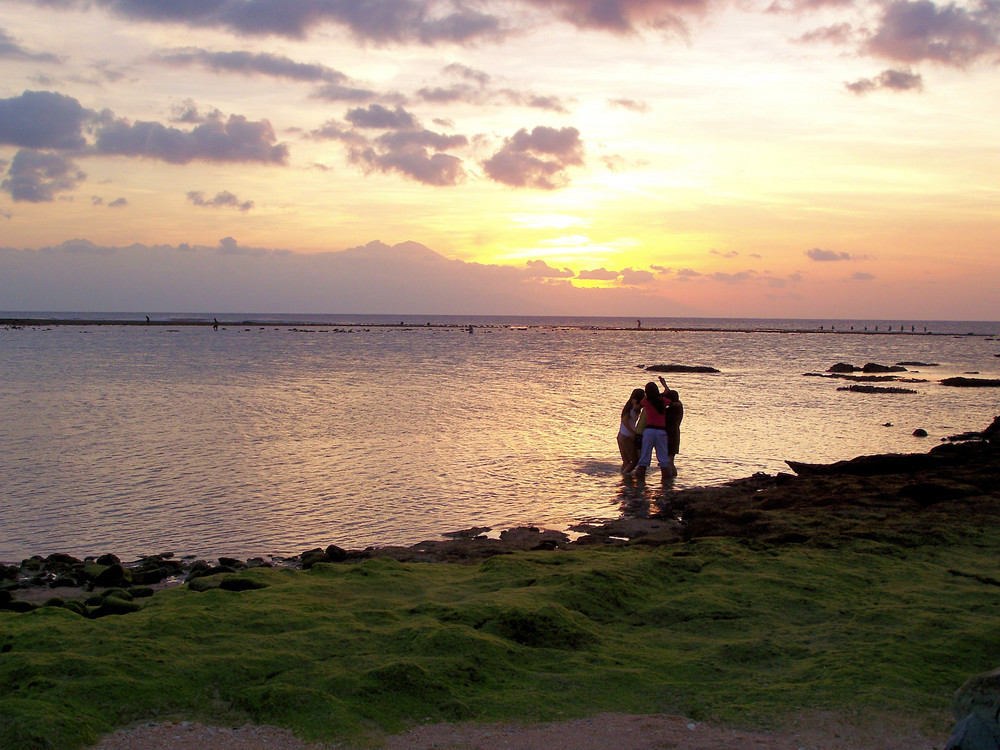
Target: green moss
(713, 629)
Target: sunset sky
(794, 158)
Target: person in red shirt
(655, 434)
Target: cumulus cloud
(378, 116)
(636, 277)
(598, 274)
(839, 33)
(250, 63)
(10, 49)
(189, 113)
(118, 203)
(893, 80)
(631, 105)
(862, 276)
(537, 159)
(234, 140)
(43, 119)
(337, 92)
(48, 120)
(951, 34)
(404, 146)
(626, 16)
(225, 199)
(472, 87)
(37, 176)
(819, 254)
(415, 161)
(539, 269)
(397, 21)
(381, 21)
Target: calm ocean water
(275, 434)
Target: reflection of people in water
(655, 434)
(675, 413)
(626, 431)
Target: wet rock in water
(314, 556)
(918, 364)
(681, 368)
(961, 382)
(875, 389)
(232, 562)
(920, 432)
(874, 367)
(335, 553)
(843, 367)
(529, 536)
(475, 531)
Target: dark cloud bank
(374, 278)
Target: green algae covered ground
(714, 628)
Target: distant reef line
(29, 322)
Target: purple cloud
(539, 269)
(633, 277)
(381, 21)
(598, 274)
(10, 49)
(537, 159)
(893, 80)
(626, 16)
(630, 104)
(377, 116)
(821, 255)
(225, 199)
(36, 176)
(234, 140)
(43, 119)
(251, 63)
(952, 34)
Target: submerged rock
(681, 368)
(875, 389)
(961, 382)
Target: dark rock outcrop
(681, 368)
(875, 389)
(874, 367)
(962, 382)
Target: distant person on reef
(655, 434)
(675, 413)
(626, 431)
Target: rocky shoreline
(905, 499)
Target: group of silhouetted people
(650, 421)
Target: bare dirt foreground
(603, 732)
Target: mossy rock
(117, 593)
(141, 592)
(205, 583)
(112, 605)
(239, 583)
(77, 607)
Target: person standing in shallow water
(626, 431)
(675, 413)
(655, 434)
